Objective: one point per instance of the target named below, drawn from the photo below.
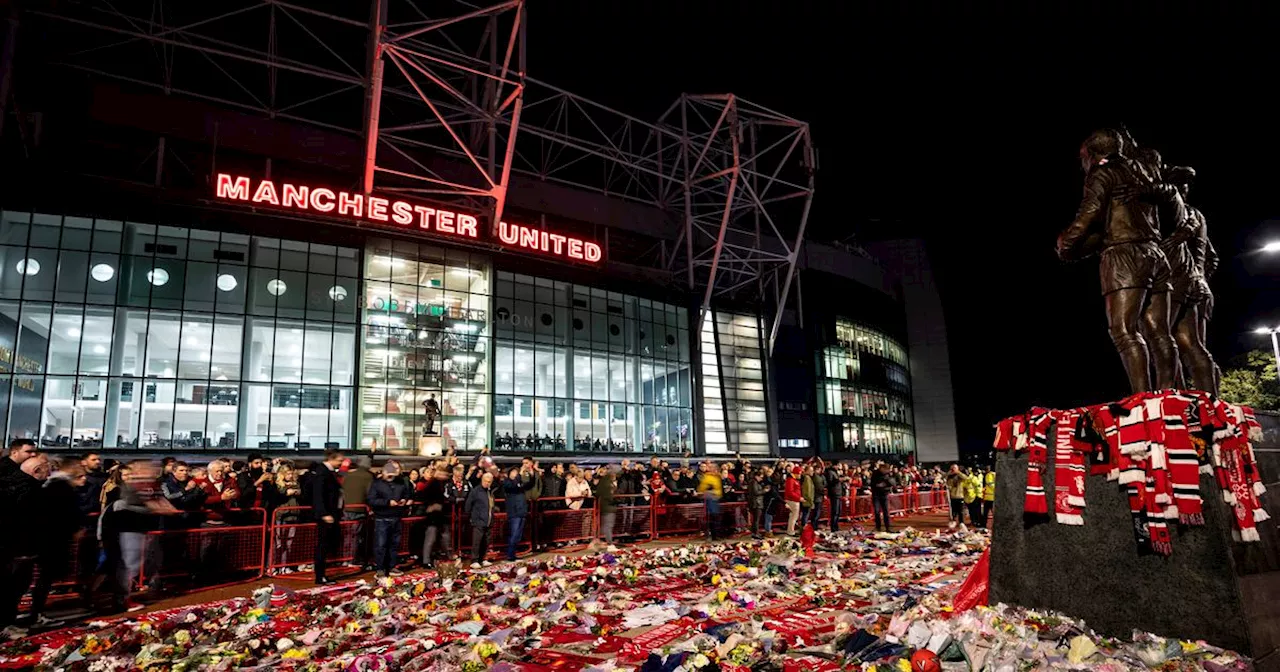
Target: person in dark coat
(390, 498)
(517, 483)
(837, 490)
(755, 500)
(479, 512)
(21, 487)
(184, 494)
(60, 522)
(438, 502)
(326, 505)
(882, 483)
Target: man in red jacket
(220, 491)
(791, 496)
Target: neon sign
(399, 213)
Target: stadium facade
(224, 255)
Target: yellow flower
(571, 607)
(715, 579)
(721, 594)
(535, 583)
(294, 654)
(374, 607)
(419, 588)
(904, 665)
(255, 613)
(477, 617)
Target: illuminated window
(173, 363)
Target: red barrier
(633, 517)
(208, 556)
(681, 519)
(292, 539)
(556, 523)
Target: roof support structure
(747, 186)
(438, 96)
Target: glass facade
(425, 339)
(123, 334)
(864, 393)
(130, 335)
(735, 405)
(580, 368)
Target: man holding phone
(390, 498)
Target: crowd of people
(48, 502)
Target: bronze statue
(1191, 255)
(1123, 230)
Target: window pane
(201, 286)
(45, 230)
(64, 339)
(163, 334)
(196, 351)
(38, 268)
(33, 338)
(24, 411)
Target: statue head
(1181, 177)
(1151, 161)
(1100, 147)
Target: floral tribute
(862, 602)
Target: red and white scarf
(1068, 469)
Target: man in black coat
(60, 521)
(882, 483)
(389, 498)
(326, 503)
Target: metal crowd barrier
(283, 543)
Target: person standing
(806, 495)
(819, 493)
(711, 487)
(973, 498)
(755, 500)
(479, 512)
(988, 493)
(515, 491)
(22, 482)
(837, 490)
(60, 523)
(792, 496)
(326, 506)
(881, 485)
(389, 498)
(606, 503)
(955, 492)
(439, 501)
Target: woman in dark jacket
(517, 483)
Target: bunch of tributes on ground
(860, 602)
(1156, 445)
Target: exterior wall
(932, 392)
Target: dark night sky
(963, 129)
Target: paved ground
(929, 521)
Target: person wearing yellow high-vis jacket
(973, 498)
(988, 492)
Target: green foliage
(1251, 381)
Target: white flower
(191, 617)
(284, 644)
